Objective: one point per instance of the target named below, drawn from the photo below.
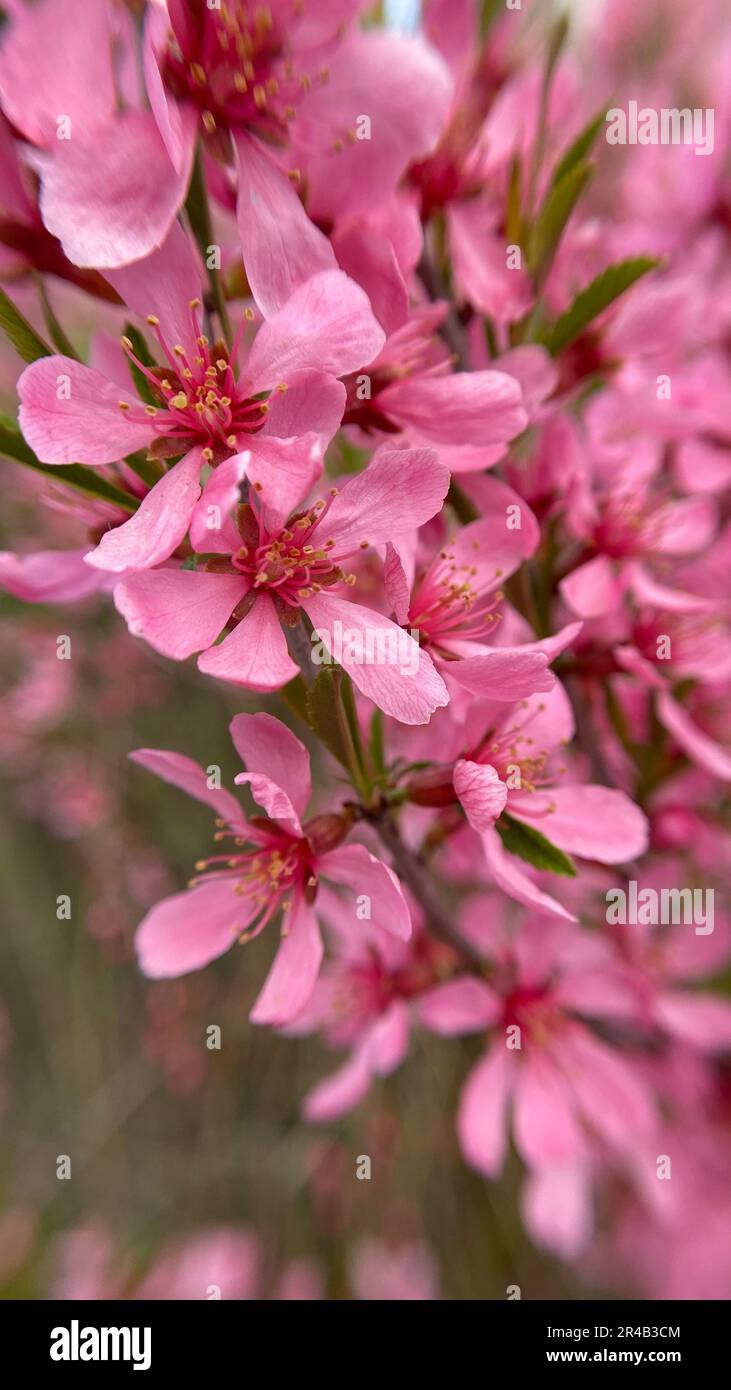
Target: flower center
(448, 604)
(232, 62)
(195, 396)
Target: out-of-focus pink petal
(255, 653)
(556, 1207)
(612, 1095)
(178, 611)
(294, 971)
(465, 1005)
(703, 1020)
(49, 576)
(403, 86)
(545, 1121)
(49, 53)
(506, 871)
(112, 199)
(268, 747)
(481, 1118)
(70, 413)
(592, 589)
(704, 751)
(159, 524)
(342, 1089)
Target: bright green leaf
(529, 844)
(20, 332)
(595, 299)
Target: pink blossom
(236, 894)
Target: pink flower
(470, 416)
(565, 1087)
(512, 767)
(284, 399)
(274, 565)
(237, 893)
(455, 601)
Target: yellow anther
(180, 401)
(153, 320)
(209, 122)
(127, 343)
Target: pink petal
(405, 88)
(255, 653)
(211, 526)
(479, 408)
(268, 747)
(481, 1118)
(163, 284)
(49, 576)
(610, 1091)
(159, 524)
(190, 777)
(372, 262)
(481, 792)
(703, 751)
(556, 1208)
(283, 472)
(342, 1089)
(506, 871)
(592, 589)
(593, 822)
(546, 1126)
(701, 1020)
(506, 673)
(282, 247)
(326, 325)
(409, 687)
(481, 264)
(48, 55)
(112, 199)
(294, 972)
(464, 1005)
(398, 491)
(89, 427)
(186, 931)
(312, 404)
(358, 869)
(178, 611)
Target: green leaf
(20, 332)
(86, 480)
(595, 299)
(581, 147)
(294, 693)
(142, 352)
(375, 743)
(553, 215)
(55, 331)
(324, 713)
(332, 714)
(530, 845)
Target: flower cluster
(404, 411)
